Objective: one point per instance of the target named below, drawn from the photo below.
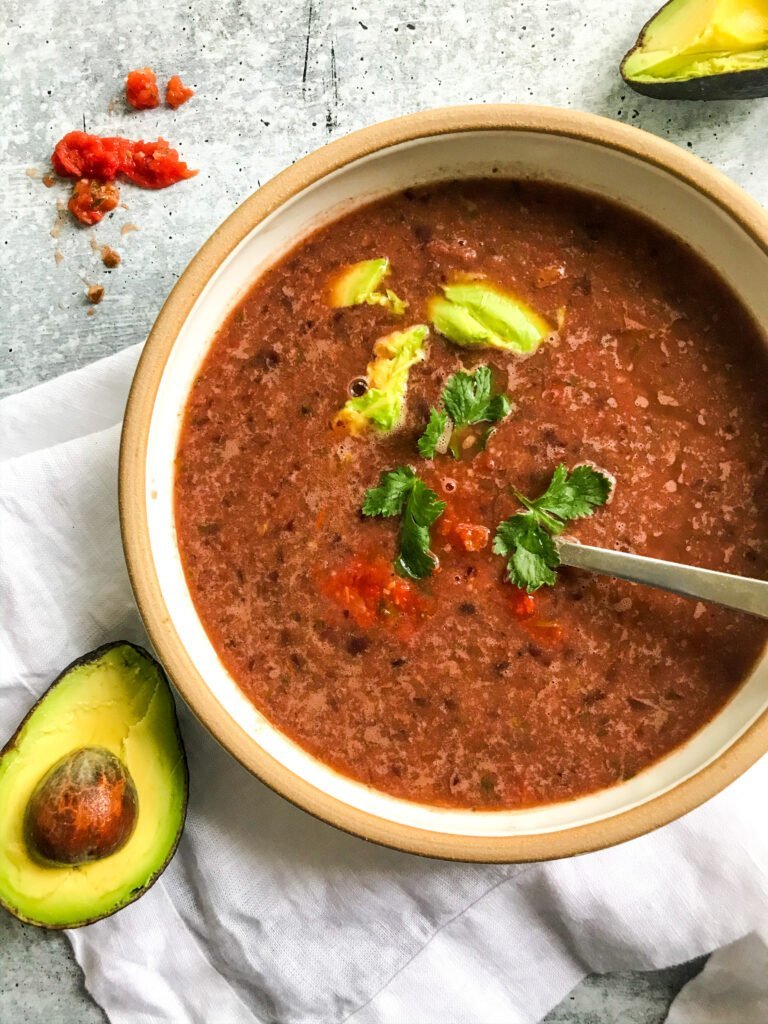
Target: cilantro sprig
(401, 492)
(467, 399)
(526, 539)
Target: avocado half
(93, 791)
(702, 50)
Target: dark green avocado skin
(739, 85)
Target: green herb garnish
(468, 399)
(435, 430)
(401, 492)
(526, 539)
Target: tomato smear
(177, 93)
(90, 199)
(141, 90)
(147, 164)
(546, 630)
(369, 592)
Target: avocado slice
(382, 404)
(357, 284)
(103, 738)
(702, 50)
(478, 314)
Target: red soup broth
(460, 690)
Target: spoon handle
(748, 595)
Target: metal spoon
(742, 592)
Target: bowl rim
(627, 824)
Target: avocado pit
(84, 809)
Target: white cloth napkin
(267, 915)
(732, 988)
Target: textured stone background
(275, 80)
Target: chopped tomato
(469, 536)
(141, 90)
(155, 165)
(90, 199)
(368, 591)
(523, 603)
(148, 164)
(177, 93)
(472, 536)
(79, 155)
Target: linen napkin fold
(267, 915)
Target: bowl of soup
(397, 345)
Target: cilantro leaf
(422, 509)
(530, 550)
(526, 539)
(499, 407)
(468, 399)
(577, 495)
(401, 492)
(438, 421)
(389, 497)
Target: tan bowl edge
(133, 514)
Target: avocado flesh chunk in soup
(382, 405)
(478, 314)
(358, 284)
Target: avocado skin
(738, 85)
(86, 659)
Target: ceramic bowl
(638, 170)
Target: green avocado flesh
(112, 708)
(702, 47)
(476, 314)
(382, 405)
(358, 284)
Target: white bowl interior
(634, 182)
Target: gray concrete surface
(275, 80)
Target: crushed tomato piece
(468, 536)
(368, 591)
(79, 155)
(523, 603)
(141, 90)
(155, 165)
(147, 164)
(177, 93)
(90, 199)
(546, 632)
(472, 536)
